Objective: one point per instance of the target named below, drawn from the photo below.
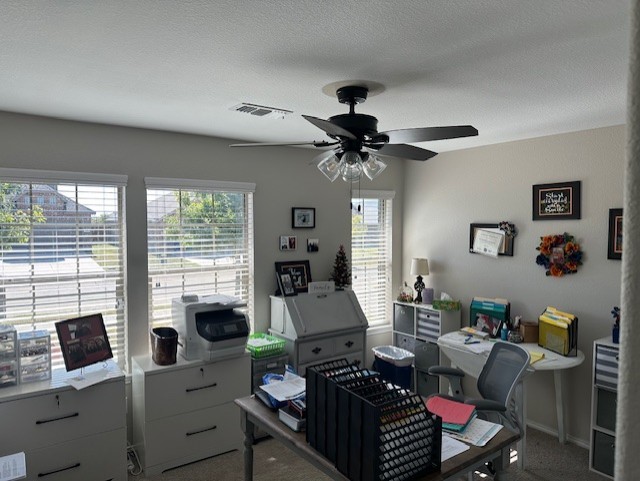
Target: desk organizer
(378, 431)
(8, 356)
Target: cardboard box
(529, 331)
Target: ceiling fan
(359, 144)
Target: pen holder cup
(164, 345)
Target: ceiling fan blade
(331, 129)
(425, 134)
(280, 144)
(403, 151)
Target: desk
(464, 357)
(254, 413)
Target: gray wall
(283, 178)
(494, 183)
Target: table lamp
(419, 267)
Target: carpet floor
(547, 460)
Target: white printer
(210, 327)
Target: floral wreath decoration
(559, 254)
(508, 228)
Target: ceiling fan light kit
(360, 143)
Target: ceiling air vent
(261, 111)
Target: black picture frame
(285, 285)
(560, 200)
(614, 244)
(303, 217)
(83, 341)
(507, 246)
(300, 272)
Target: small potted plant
(615, 332)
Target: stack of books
(455, 415)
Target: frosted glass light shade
(373, 166)
(419, 267)
(330, 167)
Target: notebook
(451, 412)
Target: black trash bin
(164, 345)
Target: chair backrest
(504, 368)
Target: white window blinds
(371, 254)
(62, 252)
(200, 241)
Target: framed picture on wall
(614, 245)
(505, 247)
(303, 217)
(556, 201)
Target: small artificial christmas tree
(340, 273)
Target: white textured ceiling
(512, 68)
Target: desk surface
(455, 341)
(258, 414)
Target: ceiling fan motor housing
(360, 125)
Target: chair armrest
(486, 405)
(445, 371)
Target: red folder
(452, 412)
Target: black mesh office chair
(506, 365)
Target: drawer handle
(191, 389)
(202, 431)
(42, 475)
(271, 365)
(348, 343)
(45, 421)
(316, 350)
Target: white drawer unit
(184, 412)
(66, 434)
(603, 406)
(319, 327)
(416, 328)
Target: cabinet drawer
(96, 458)
(315, 351)
(606, 402)
(349, 343)
(354, 358)
(427, 355)
(428, 324)
(194, 435)
(172, 392)
(606, 367)
(403, 318)
(603, 452)
(426, 384)
(405, 342)
(39, 421)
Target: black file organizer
(377, 431)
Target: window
(200, 241)
(57, 264)
(371, 254)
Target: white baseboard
(553, 432)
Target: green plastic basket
(262, 345)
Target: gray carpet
(547, 461)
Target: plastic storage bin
(35, 356)
(8, 356)
(394, 364)
(262, 345)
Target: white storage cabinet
(603, 406)
(320, 327)
(416, 328)
(66, 434)
(185, 412)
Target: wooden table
(254, 413)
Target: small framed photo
(285, 284)
(556, 201)
(83, 341)
(303, 217)
(614, 245)
(288, 242)
(313, 245)
(299, 271)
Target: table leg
(248, 429)
(558, 380)
(521, 412)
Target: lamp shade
(419, 267)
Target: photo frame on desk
(299, 271)
(506, 246)
(83, 341)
